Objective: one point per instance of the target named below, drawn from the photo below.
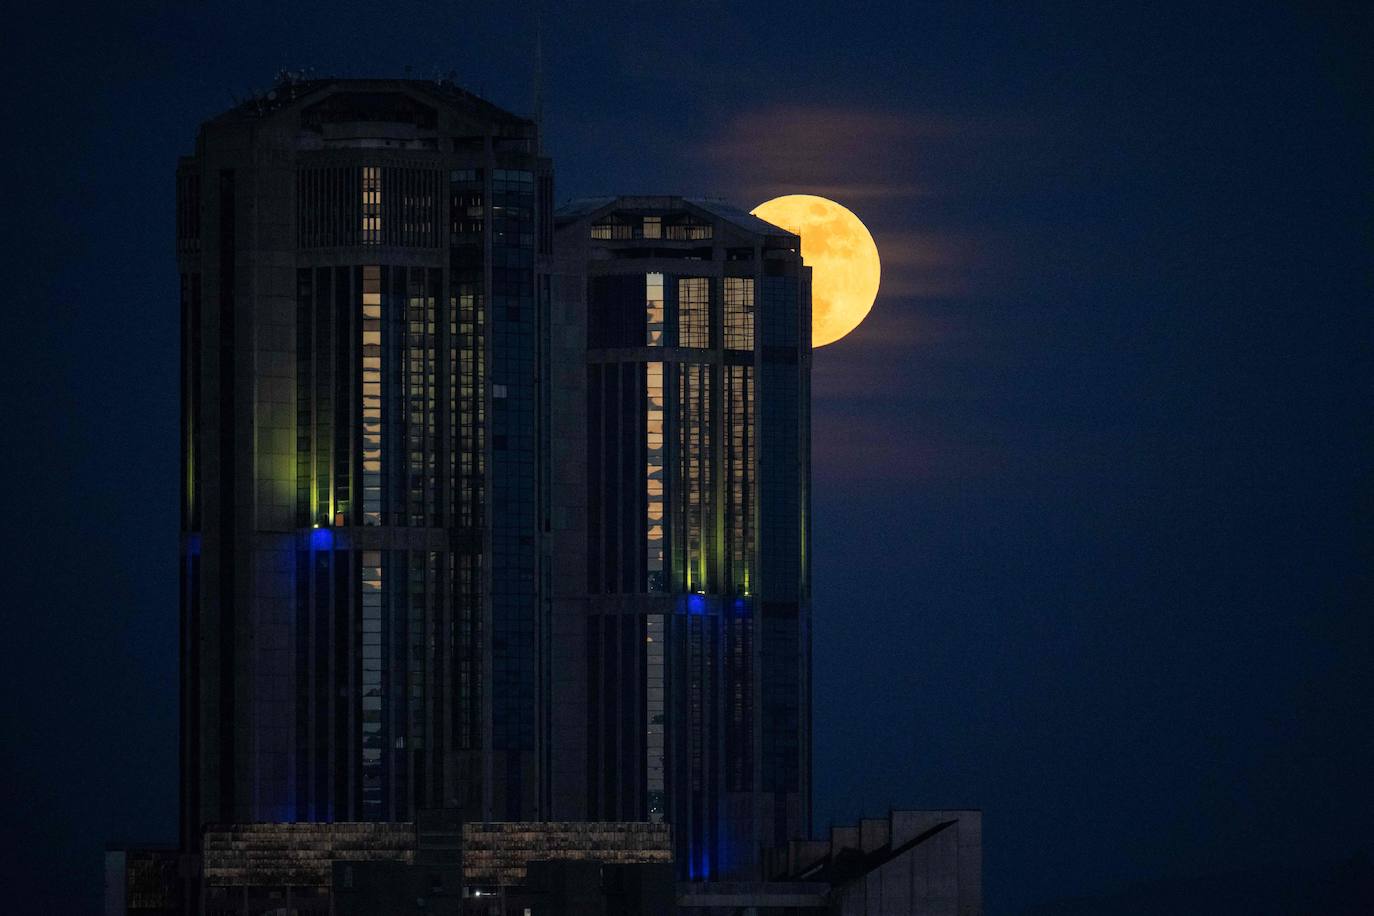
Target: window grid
(421, 393)
(655, 670)
(653, 309)
(739, 313)
(372, 395)
(654, 477)
(694, 312)
(371, 205)
(370, 714)
(740, 474)
(694, 449)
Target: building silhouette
(681, 589)
(489, 514)
(363, 267)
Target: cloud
(887, 399)
(901, 173)
(810, 133)
(925, 264)
(820, 149)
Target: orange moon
(843, 258)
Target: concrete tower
(363, 285)
(681, 435)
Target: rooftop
(585, 207)
(291, 88)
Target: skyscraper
(363, 280)
(464, 528)
(680, 518)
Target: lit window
(372, 395)
(372, 205)
(653, 309)
(654, 475)
(653, 227)
(615, 227)
(688, 231)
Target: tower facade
(681, 591)
(364, 290)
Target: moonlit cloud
(881, 396)
(926, 264)
(850, 152)
(891, 169)
(818, 133)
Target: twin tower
(486, 505)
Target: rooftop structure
(496, 855)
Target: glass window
(612, 230)
(688, 231)
(739, 313)
(653, 309)
(740, 463)
(372, 205)
(654, 471)
(693, 312)
(372, 395)
(373, 737)
(692, 534)
(654, 709)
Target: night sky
(1094, 507)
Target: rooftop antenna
(538, 76)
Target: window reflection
(694, 449)
(372, 395)
(654, 476)
(422, 397)
(739, 313)
(740, 473)
(693, 312)
(373, 739)
(653, 308)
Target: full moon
(841, 254)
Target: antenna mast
(539, 75)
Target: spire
(539, 74)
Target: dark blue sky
(1093, 491)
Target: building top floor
(376, 114)
(669, 227)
